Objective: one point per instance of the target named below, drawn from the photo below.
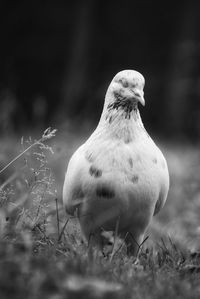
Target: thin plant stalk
(46, 135)
(57, 217)
(115, 238)
(63, 229)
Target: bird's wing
(164, 186)
(91, 164)
(161, 200)
(72, 189)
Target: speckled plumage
(118, 174)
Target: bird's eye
(124, 82)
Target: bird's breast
(122, 179)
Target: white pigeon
(118, 177)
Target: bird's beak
(139, 95)
(142, 100)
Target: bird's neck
(121, 121)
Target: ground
(42, 254)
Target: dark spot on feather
(78, 193)
(157, 206)
(154, 160)
(89, 157)
(134, 178)
(127, 139)
(124, 82)
(105, 191)
(95, 172)
(110, 120)
(130, 161)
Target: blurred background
(57, 59)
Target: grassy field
(42, 254)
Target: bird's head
(126, 89)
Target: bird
(118, 179)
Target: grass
(42, 254)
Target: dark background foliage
(58, 57)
